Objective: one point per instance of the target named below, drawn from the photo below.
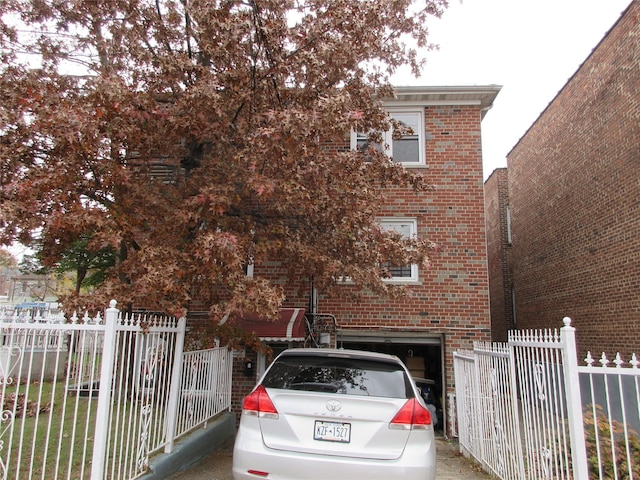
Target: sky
(530, 48)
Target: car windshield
(347, 376)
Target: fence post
(104, 393)
(176, 385)
(574, 400)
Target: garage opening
(423, 356)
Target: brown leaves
(194, 138)
(23, 407)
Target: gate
(88, 398)
(487, 409)
(519, 406)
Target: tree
(88, 266)
(31, 265)
(190, 138)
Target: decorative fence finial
(113, 303)
(589, 360)
(566, 321)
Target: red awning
(289, 327)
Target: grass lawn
(43, 442)
(54, 439)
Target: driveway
(451, 465)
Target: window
(335, 375)
(408, 149)
(406, 228)
(248, 269)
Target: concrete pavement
(451, 465)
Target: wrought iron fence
(95, 397)
(204, 391)
(527, 410)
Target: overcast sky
(531, 48)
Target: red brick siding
(452, 295)
(243, 383)
(574, 183)
(496, 200)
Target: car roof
(340, 353)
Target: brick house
(448, 304)
(574, 202)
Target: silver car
(337, 414)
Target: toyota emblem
(334, 405)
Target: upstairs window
(406, 228)
(409, 149)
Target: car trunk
(331, 424)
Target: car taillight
(259, 403)
(412, 415)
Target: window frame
(413, 222)
(388, 136)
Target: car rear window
(347, 376)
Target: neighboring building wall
(574, 184)
(496, 201)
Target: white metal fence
(205, 388)
(94, 398)
(527, 410)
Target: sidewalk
(451, 465)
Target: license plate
(332, 431)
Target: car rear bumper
(418, 462)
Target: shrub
(609, 436)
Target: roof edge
(481, 95)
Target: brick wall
(451, 297)
(496, 200)
(243, 381)
(574, 183)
